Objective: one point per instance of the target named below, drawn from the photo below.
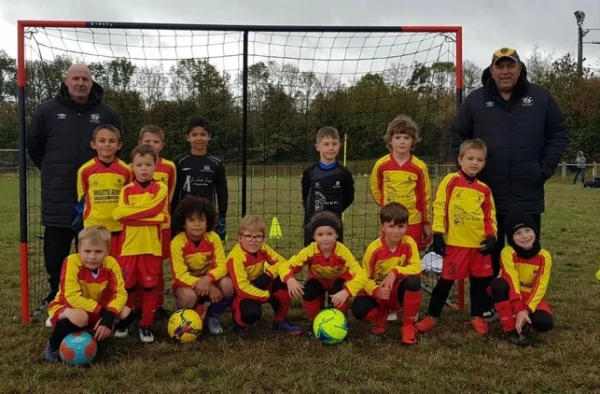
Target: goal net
(266, 91)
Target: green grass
(450, 359)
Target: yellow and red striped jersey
(379, 260)
(141, 210)
(530, 276)
(244, 267)
(82, 288)
(337, 264)
(166, 173)
(408, 184)
(464, 211)
(192, 260)
(101, 186)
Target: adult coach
(525, 133)
(58, 142)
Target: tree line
(286, 105)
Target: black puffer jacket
(58, 142)
(526, 138)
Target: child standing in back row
(326, 185)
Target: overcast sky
(487, 24)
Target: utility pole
(580, 17)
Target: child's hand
(389, 280)
(339, 298)
(383, 293)
(202, 286)
(295, 288)
(215, 294)
(426, 233)
(101, 332)
(522, 318)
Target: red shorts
(143, 269)
(416, 232)
(462, 263)
(166, 243)
(327, 283)
(542, 306)
(92, 318)
(116, 242)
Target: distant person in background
(580, 169)
(58, 142)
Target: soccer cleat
(409, 334)
(480, 325)
(146, 335)
(214, 326)
(51, 355)
(287, 327)
(392, 316)
(161, 314)
(426, 324)
(514, 338)
(121, 332)
(490, 315)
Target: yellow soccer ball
(185, 326)
(330, 326)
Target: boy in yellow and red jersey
(404, 178)
(99, 183)
(166, 173)
(393, 266)
(519, 293)
(254, 269)
(332, 269)
(91, 295)
(464, 212)
(198, 263)
(141, 210)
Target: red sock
(372, 315)
(410, 306)
(285, 301)
(312, 308)
(505, 315)
(149, 299)
(160, 288)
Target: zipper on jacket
(511, 196)
(79, 163)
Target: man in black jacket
(58, 142)
(525, 132)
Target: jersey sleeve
(413, 259)
(218, 267)
(439, 206)
(305, 181)
(243, 287)
(80, 183)
(288, 269)
(72, 290)
(540, 285)
(489, 214)
(368, 265)
(511, 275)
(426, 214)
(348, 188)
(359, 277)
(177, 188)
(273, 269)
(116, 287)
(147, 212)
(172, 181)
(179, 270)
(375, 186)
(222, 191)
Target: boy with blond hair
(326, 185)
(464, 213)
(254, 268)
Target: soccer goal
(266, 90)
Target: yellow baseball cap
(509, 53)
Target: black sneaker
(162, 314)
(514, 338)
(146, 335)
(490, 315)
(51, 355)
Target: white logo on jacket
(489, 104)
(527, 101)
(62, 116)
(95, 118)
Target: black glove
(439, 245)
(487, 246)
(107, 318)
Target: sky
(487, 25)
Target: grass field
(450, 359)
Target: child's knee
(187, 298)
(361, 307)
(412, 283)
(500, 290)
(337, 286)
(79, 317)
(124, 313)
(250, 311)
(313, 290)
(225, 284)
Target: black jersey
(326, 190)
(201, 176)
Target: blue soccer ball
(78, 348)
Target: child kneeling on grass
(198, 263)
(91, 295)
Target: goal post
(265, 89)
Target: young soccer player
(91, 294)
(198, 262)
(141, 209)
(99, 183)
(393, 268)
(326, 185)
(332, 269)
(520, 290)
(165, 172)
(464, 212)
(253, 267)
(201, 174)
(404, 178)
